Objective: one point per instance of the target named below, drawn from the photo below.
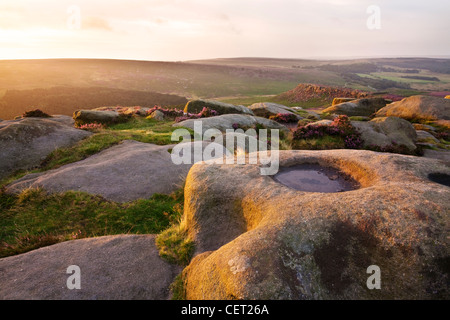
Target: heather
(37, 113)
(309, 92)
(341, 129)
(284, 117)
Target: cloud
(189, 29)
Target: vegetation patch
(174, 243)
(35, 219)
(284, 117)
(37, 113)
(339, 134)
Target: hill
(234, 80)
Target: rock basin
(315, 178)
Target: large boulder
(258, 239)
(267, 109)
(195, 106)
(360, 107)
(122, 267)
(26, 142)
(418, 108)
(226, 122)
(97, 116)
(387, 131)
(125, 172)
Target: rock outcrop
(26, 142)
(387, 131)
(267, 109)
(195, 106)
(258, 239)
(360, 107)
(306, 92)
(227, 121)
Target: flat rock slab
(26, 142)
(111, 267)
(129, 171)
(125, 172)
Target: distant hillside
(233, 79)
(65, 100)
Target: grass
(175, 245)
(34, 218)
(322, 143)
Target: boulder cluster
(254, 237)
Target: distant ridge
(65, 100)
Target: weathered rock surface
(360, 107)
(387, 131)
(97, 116)
(63, 119)
(226, 121)
(419, 108)
(267, 109)
(25, 142)
(195, 106)
(258, 239)
(120, 267)
(125, 172)
(442, 155)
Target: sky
(180, 30)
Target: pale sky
(173, 30)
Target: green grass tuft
(34, 218)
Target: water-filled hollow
(315, 178)
(440, 178)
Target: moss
(177, 288)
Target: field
(64, 85)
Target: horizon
(187, 30)
(232, 58)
